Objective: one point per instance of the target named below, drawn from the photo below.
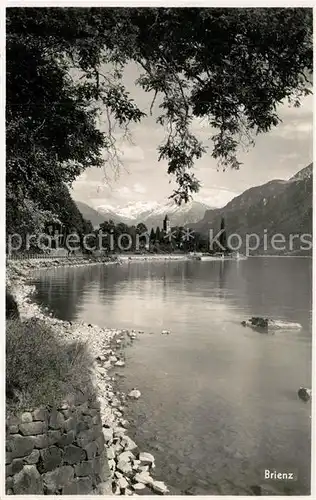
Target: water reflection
(219, 401)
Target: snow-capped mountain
(150, 213)
(153, 213)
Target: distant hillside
(278, 207)
(89, 213)
(150, 213)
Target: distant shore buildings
(166, 225)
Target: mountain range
(277, 207)
(150, 213)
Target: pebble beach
(132, 469)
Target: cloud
(139, 188)
(215, 197)
(124, 191)
(295, 129)
(286, 157)
(132, 154)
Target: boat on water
(238, 256)
(216, 256)
(222, 256)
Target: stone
(58, 478)
(63, 406)
(100, 358)
(126, 456)
(146, 491)
(87, 419)
(12, 420)
(139, 486)
(102, 467)
(8, 470)
(124, 423)
(95, 405)
(110, 453)
(160, 487)
(21, 446)
(53, 437)
(80, 486)
(143, 468)
(82, 425)
(13, 429)
(84, 469)
(28, 481)
(33, 458)
(40, 414)
(56, 419)
(70, 424)
(85, 437)
(51, 458)
(119, 363)
(146, 458)
(8, 457)
(118, 448)
(304, 394)
(9, 483)
(143, 477)
(125, 467)
(97, 466)
(122, 483)
(165, 332)
(128, 444)
(32, 428)
(73, 454)
(16, 466)
(67, 413)
(119, 432)
(67, 438)
(134, 394)
(100, 444)
(112, 464)
(96, 420)
(107, 434)
(105, 488)
(91, 449)
(117, 490)
(40, 441)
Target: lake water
(219, 401)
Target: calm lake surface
(219, 401)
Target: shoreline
(130, 467)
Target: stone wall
(56, 451)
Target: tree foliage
(65, 67)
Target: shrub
(40, 369)
(11, 306)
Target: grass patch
(42, 370)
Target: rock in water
(119, 363)
(259, 322)
(160, 487)
(304, 394)
(165, 332)
(146, 458)
(135, 394)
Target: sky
(278, 154)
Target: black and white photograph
(158, 250)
